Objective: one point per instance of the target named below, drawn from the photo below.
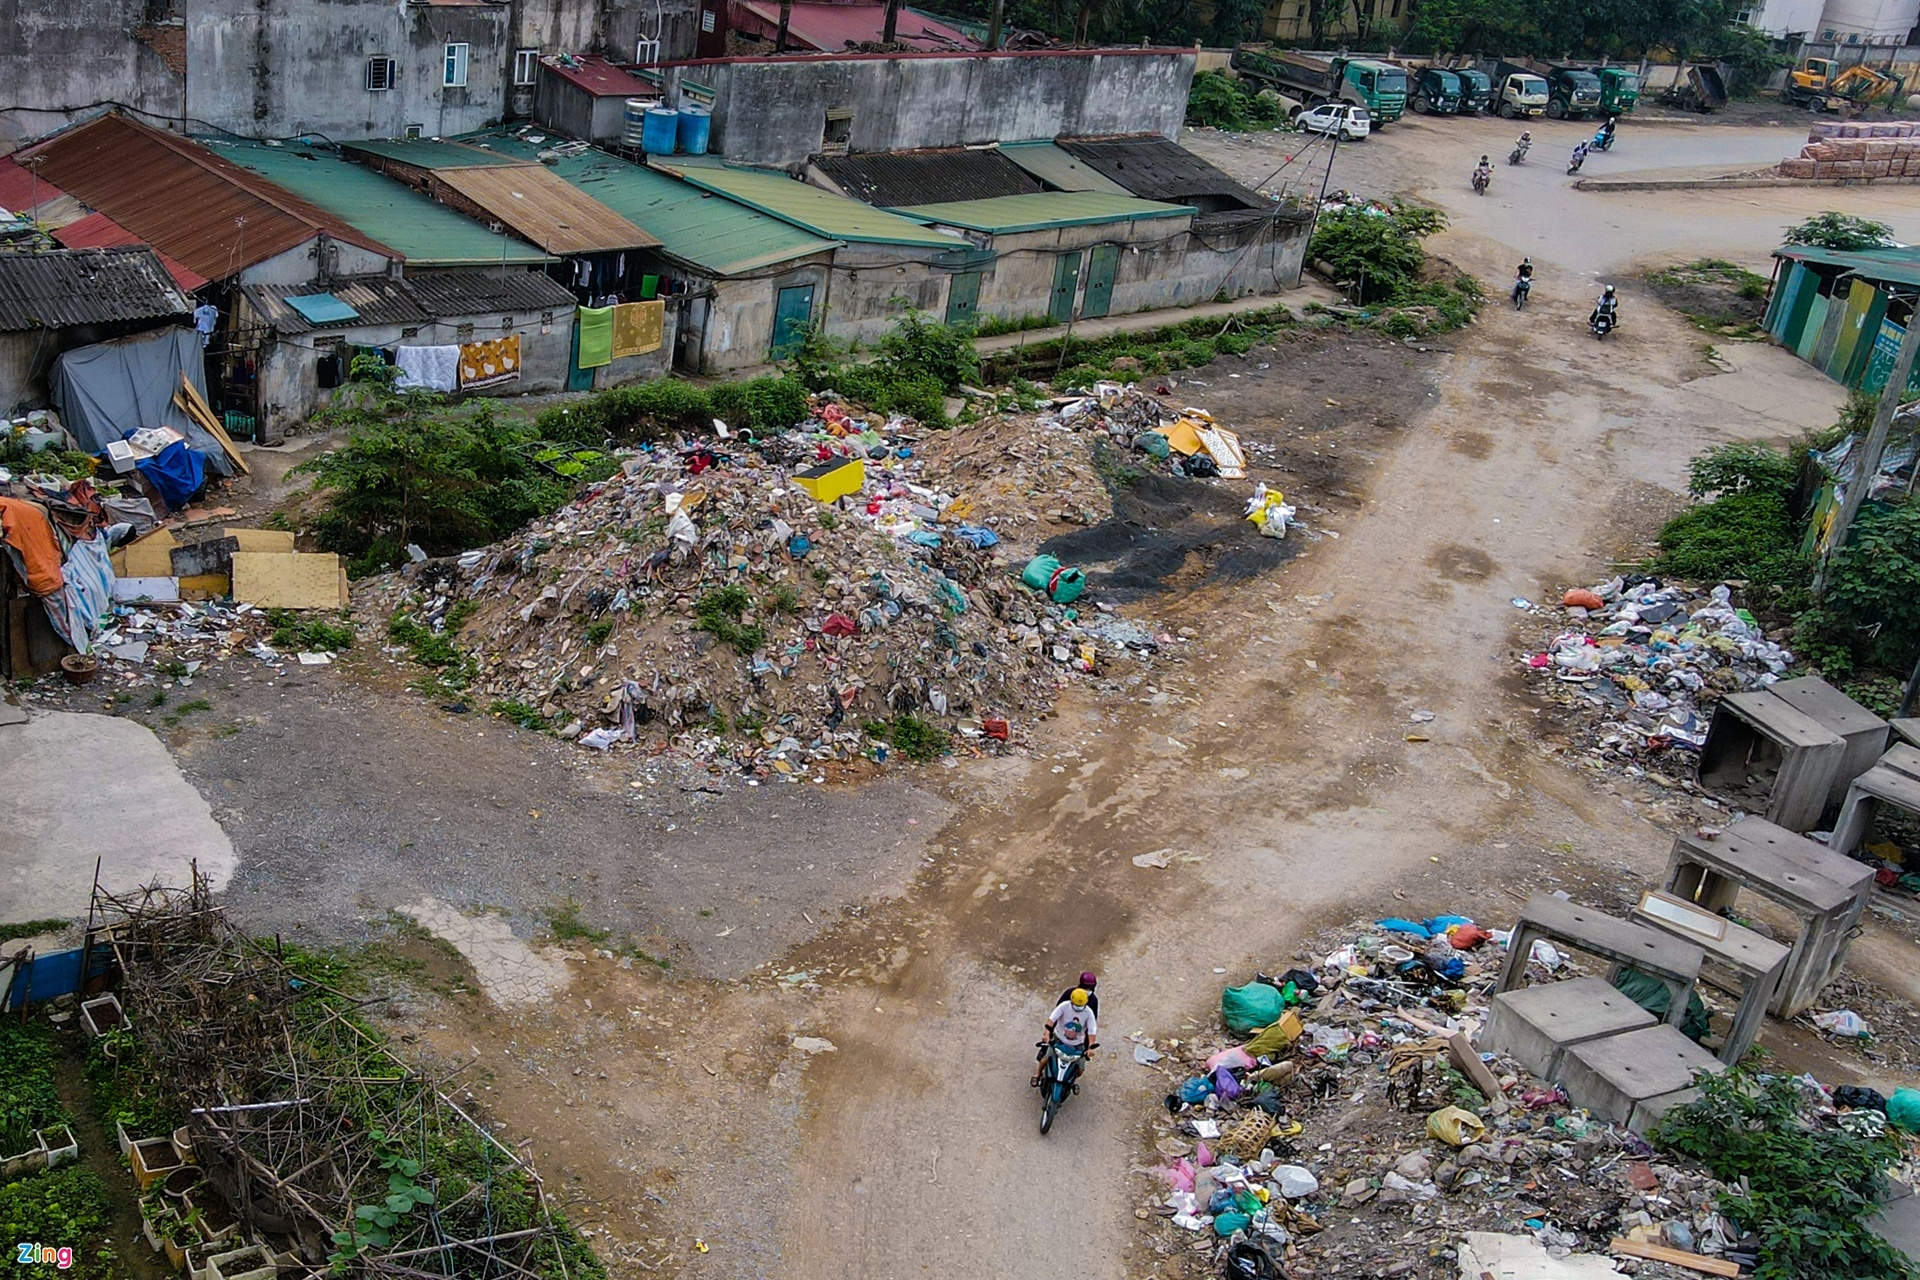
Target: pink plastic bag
(1179, 1174)
(1234, 1058)
(1202, 1155)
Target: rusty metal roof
(938, 175)
(382, 300)
(197, 207)
(55, 288)
(98, 231)
(543, 209)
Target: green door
(792, 317)
(1066, 281)
(963, 298)
(1102, 263)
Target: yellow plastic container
(832, 480)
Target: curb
(1603, 185)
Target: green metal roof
(1899, 265)
(699, 227)
(424, 232)
(428, 153)
(1059, 169)
(1036, 212)
(820, 212)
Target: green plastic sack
(1039, 572)
(1227, 1223)
(1652, 995)
(1153, 444)
(1250, 1008)
(1903, 1110)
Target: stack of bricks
(1857, 151)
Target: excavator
(1820, 84)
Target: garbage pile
(1641, 663)
(768, 601)
(1187, 442)
(1340, 1094)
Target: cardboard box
(289, 580)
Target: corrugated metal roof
(448, 295)
(183, 199)
(894, 179)
(1900, 265)
(704, 229)
(1150, 166)
(55, 288)
(424, 153)
(1009, 214)
(601, 78)
(545, 208)
(820, 212)
(98, 231)
(1058, 169)
(20, 191)
(831, 28)
(425, 233)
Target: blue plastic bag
(1195, 1091)
(1440, 924)
(1393, 924)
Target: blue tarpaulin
(57, 974)
(176, 472)
(322, 308)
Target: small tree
(1842, 232)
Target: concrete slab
(510, 972)
(1535, 1025)
(1898, 1220)
(12, 713)
(81, 787)
(1631, 1079)
(1864, 732)
(1521, 1257)
(1762, 753)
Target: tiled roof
(894, 179)
(1155, 169)
(59, 287)
(601, 78)
(98, 231)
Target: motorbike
(1522, 286)
(1602, 140)
(1482, 180)
(1059, 1080)
(1579, 158)
(1602, 322)
(1518, 153)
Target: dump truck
(1696, 87)
(1573, 93)
(1438, 92)
(1619, 90)
(1476, 91)
(1821, 84)
(1380, 87)
(1522, 91)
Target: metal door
(963, 298)
(1102, 264)
(792, 317)
(1066, 281)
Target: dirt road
(1284, 768)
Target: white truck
(1522, 93)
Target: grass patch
(185, 709)
(565, 924)
(519, 713)
(1129, 357)
(598, 631)
(292, 631)
(720, 612)
(912, 738)
(1716, 296)
(32, 928)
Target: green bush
(1745, 466)
(28, 1098)
(719, 613)
(1872, 601)
(923, 350)
(1843, 232)
(1215, 102)
(65, 1207)
(915, 739)
(1380, 257)
(1740, 535)
(1806, 1188)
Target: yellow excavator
(1821, 84)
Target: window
(839, 128)
(379, 74)
(413, 131)
(526, 63)
(646, 51)
(456, 70)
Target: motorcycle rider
(1605, 140)
(1522, 278)
(1609, 305)
(1088, 981)
(1580, 150)
(1524, 144)
(1483, 174)
(1072, 1024)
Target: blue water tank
(658, 131)
(695, 123)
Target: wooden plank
(198, 409)
(287, 580)
(1461, 1053)
(1675, 1257)
(260, 539)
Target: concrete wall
(25, 357)
(289, 386)
(1780, 18)
(1868, 21)
(772, 111)
(302, 263)
(61, 60)
(873, 285)
(739, 320)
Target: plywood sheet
(260, 539)
(288, 580)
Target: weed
(315, 635)
(783, 599)
(158, 698)
(174, 669)
(915, 739)
(829, 520)
(31, 929)
(719, 613)
(994, 326)
(519, 713)
(598, 631)
(565, 924)
(705, 912)
(186, 709)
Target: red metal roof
(98, 231)
(205, 211)
(601, 78)
(830, 28)
(18, 190)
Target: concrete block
(1796, 168)
(1535, 1025)
(1877, 169)
(1879, 148)
(1629, 1078)
(1907, 731)
(1861, 730)
(1880, 785)
(1845, 169)
(1765, 755)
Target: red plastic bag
(1581, 598)
(838, 624)
(1465, 937)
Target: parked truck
(1438, 92)
(1380, 87)
(1476, 91)
(1697, 87)
(1522, 91)
(1619, 90)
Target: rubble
(703, 597)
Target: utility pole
(1326, 181)
(893, 22)
(786, 17)
(1876, 446)
(993, 25)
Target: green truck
(1380, 87)
(1476, 91)
(1619, 90)
(1438, 92)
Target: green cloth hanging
(596, 336)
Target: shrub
(915, 739)
(1215, 102)
(922, 349)
(1380, 255)
(1739, 535)
(1872, 601)
(315, 635)
(1746, 466)
(719, 613)
(1844, 232)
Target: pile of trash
(771, 601)
(1187, 441)
(1641, 663)
(1348, 1089)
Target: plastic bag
(1234, 1058)
(1225, 1085)
(1276, 1038)
(1247, 1009)
(1268, 511)
(1228, 1223)
(1844, 1023)
(1196, 1090)
(1652, 995)
(1179, 1174)
(1903, 1110)
(1393, 924)
(1295, 1181)
(1456, 1127)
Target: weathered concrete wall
(873, 285)
(301, 263)
(25, 357)
(274, 68)
(290, 391)
(739, 325)
(62, 60)
(674, 23)
(772, 111)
